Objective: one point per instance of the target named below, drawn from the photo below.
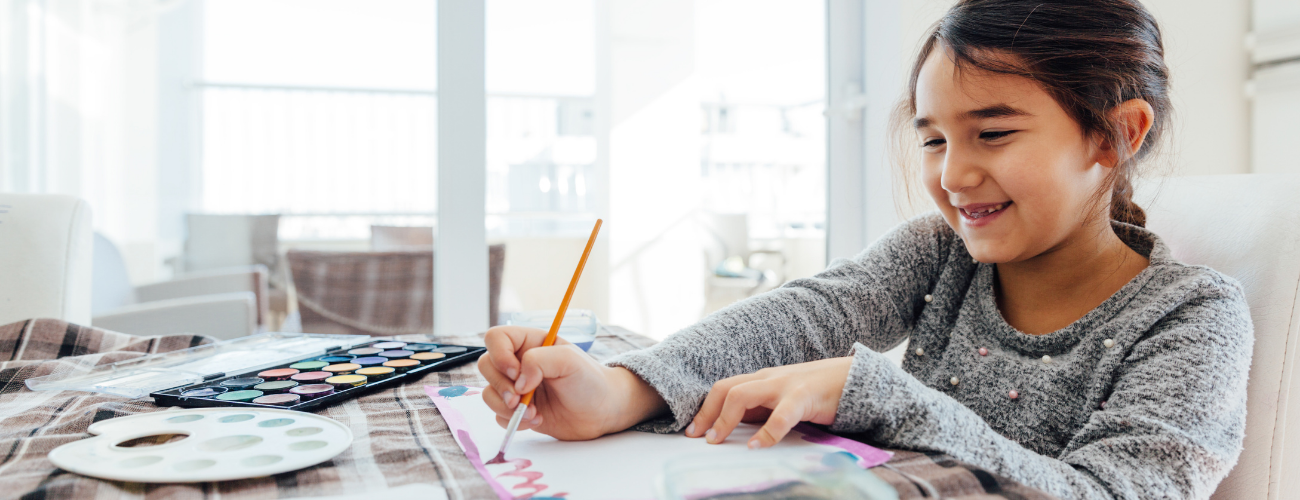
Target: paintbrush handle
(564, 305)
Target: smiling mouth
(986, 211)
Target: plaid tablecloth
(400, 437)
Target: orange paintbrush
(549, 341)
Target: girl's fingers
(788, 413)
(551, 362)
(741, 398)
(502, 343)
(712, 406)
(498, 385)
(495, 402)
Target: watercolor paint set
(291, 371)
(316, 381)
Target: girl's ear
(1134, 118)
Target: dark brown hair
(1089, 55)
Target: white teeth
(988, 210)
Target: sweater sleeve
(1172, 427)
(872, 298)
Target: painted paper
(618, 466)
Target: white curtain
(79, 112)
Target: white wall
(650, 155)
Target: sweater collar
(1140, 239)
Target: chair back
(111, 283)
(374, 293)
(390, 238)
(1248, 227)
(216, 241)
(45, 258)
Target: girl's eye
(932, 143)
(995, 134)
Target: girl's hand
(576, 397)
(783, 396)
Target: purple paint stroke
(868, 456)
(456, 422)
(471, 452)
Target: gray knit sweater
(1161, 412)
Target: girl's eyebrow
(994, 111)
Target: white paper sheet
(617, 466)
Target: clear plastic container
(771, 474)
(579, 325)
(137, 378)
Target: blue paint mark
(838, 457)
(451, 392)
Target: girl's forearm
(635, 400)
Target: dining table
(400, 438)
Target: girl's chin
(987, 253)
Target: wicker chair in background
(375, 293)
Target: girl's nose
(960, 171)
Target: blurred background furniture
(374, 293)
(1248, 227)
(734, 271)
(226, 241)
(390, 238)
(224, 303)
(45, 263)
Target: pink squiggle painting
(459, 427)
(617, 466)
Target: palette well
(321, 379)
(218, 444)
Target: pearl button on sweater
(1175, 412)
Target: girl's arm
(1172, 426)
(873, 298)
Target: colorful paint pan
(346, 381)
(388, 345)
(278, 374)
(312, 391)
(312, 377)
(342, 368)
(365, 351)
(278, 399)
(307, 366)
(396, 354)
(336, 359)
(241, 383)
(402, 365)
(240, 395)
(370, 361)
(420, 347)
(205, 392)
(276, 387)
(450, 349)
(428, 357)
(377, 372)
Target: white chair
(733, 271)
(45, 245)
(1248, 227)
(223, 303)
(218, 241)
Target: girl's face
(1011, 172)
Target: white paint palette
(220, 444)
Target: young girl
(1053, 340)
